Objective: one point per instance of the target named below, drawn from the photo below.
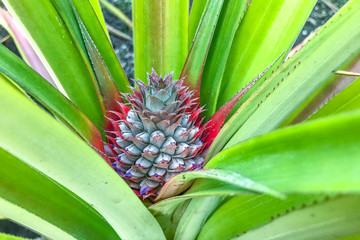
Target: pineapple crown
(157, 135)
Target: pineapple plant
(159, 137)
(218, 149)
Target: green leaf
(197, 9)
(108, 89)
(167, 206)
(59, 54)
(4, 236)
(117, 12)
(194, 217)
(243, 213)
(219, 117)
(102, 42)
(205, 188)
(36, 86)
(229, 20)
(347, 100)
(32, 199)
(98, 34)
(64, 8)
(200, 208)
(303, 158)
(160, 36)
(23, 46)
(65, 11)
(295, 80)
(330, 220)
(195, 61)
(268, 29)
(97, 9)
(352, 237)
(97, 31)
(169, 216)
(333, 86)
(32, 136)
(210, 187)
(181, 182)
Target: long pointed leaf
(59, 54)
(46, 206)
(195, 61)
(97, 9)
(339, 47)
(40, 141)
(109, 91)
(219, 117)
(268, 29)
(330, 220)
(295, 80)
(335, 85)
(36, 86)
(197, 9)
(169, 217)
(243, 213)
(195, 216)
(347, 100)
(229, 20)
(102, 42)
(23, 46)
(178, 183)
(319, 156)
(66, 12)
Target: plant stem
(117, 33)
(5, 39)
(330, 5)
(349, 74)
